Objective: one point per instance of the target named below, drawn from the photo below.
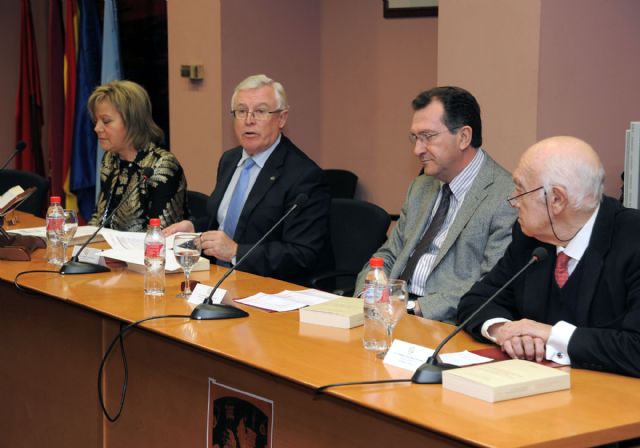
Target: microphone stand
(75, 266)
(19, 148)
(208, 310)
(431, 371)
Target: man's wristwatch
(411, 307)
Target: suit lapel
(593, 259)
(268, 176)
(474, 197)
(427, 200)
(537, 286)
(225, 175)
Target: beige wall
(589, 83)
(195, 107)
(371, 70)
(491, 48)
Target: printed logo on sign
(153, 250)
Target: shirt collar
(579, 243)
(261, 158)
(461, 184)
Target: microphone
(74, 266)
(208, 310)
(19, 148)
(431, 371)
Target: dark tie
(429, 234)
(561, 272)
(237, 200)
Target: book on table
(505, 380)
(343, 312)
(13, 197)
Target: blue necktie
(237, 199)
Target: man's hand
(182, 226)
(217, 244)
(522, 339)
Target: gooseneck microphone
(74, 266)
(208, 310)
(431, 371)
(19, 148)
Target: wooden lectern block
(15, 247)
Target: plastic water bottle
(55, 221)
(154, 258)
(374, 287)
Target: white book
(343, 312)
(505, 380)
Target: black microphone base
(217, 311)
(430, 373)
(80, 267)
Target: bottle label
(375, 293)
(54, 224)
(153, 249)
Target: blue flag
(83, 160)
(110, 63)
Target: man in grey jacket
(455, 222)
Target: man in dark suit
(257, 183)
(582, 305)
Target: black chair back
(36, 204)
(342, 183)
(358, 229)
(197, 203)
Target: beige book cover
(504, 380)
(13, 197)
(344, 312)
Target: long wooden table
(53, 337)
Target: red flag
(29, 99)
(55, 107)
(70, 50)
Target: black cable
(120, 337)
(321, 389)
(20, 274)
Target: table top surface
(599, 407)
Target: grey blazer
(477, 238)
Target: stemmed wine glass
(391, 307)
(187, 249)
(67, 230)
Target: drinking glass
(391, 307)
(187, 249)
(67, 230)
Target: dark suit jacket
(607, 337)
(301, 244)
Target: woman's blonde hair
(132, 102)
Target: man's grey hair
(583, 181)
(256, 81)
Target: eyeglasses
(426, 137)
(258, 114)
(514, 200)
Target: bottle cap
(154, 222)
(55, 199)
(376, 262)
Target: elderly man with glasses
(455, 223)
(257, 183)
(582, 305)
